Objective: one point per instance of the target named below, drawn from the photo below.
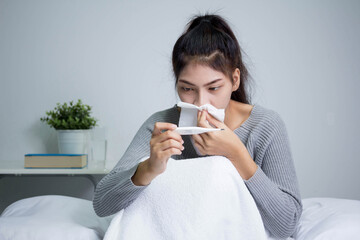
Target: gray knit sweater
(274, 185)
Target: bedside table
(16, 168)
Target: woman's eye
(214, 88)
(186, 89)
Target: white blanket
(200, 198)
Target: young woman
(208, 68)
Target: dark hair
(209, 40)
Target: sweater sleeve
(116, 190)
(274, 185)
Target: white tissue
(188, 114)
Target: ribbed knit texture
(274, 185)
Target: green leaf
(70, 116)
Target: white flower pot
(73, 141)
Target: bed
(61, 217)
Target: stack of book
(55, 160)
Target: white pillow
(52, 217)
(329, 219)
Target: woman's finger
(169, 135)
(213, 121)
(198, 138)
(170, 143)
(202, 120)
(200, 148)
(161, 126)
(172, 151)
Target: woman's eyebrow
(184, 81)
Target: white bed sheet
(329, 219)
(52, 217)
(61, 217)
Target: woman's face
(199, 84)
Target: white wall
(116, 56)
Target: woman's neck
(236, 113)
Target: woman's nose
(201, 99)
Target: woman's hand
(225, 143)
(162, 146)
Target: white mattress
(329, 219)
(60, 217)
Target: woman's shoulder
(269, 114)
(265, 120)
(170, 115)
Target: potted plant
(72, 123)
